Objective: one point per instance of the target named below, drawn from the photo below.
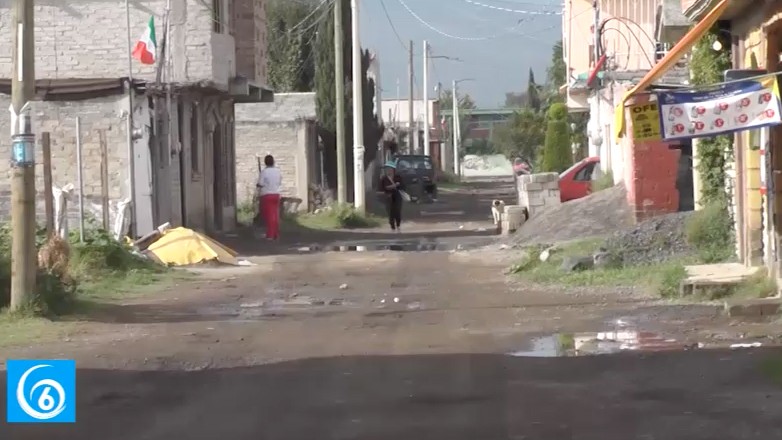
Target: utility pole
(24, 260)
(339, 86)
(426, 98)
(410, 118)
(455, 113)
(358, 112)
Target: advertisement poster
(726, 108)
(646, 122)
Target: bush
(670, 279)
(710, 232)
(98, 257)
(557, 154)
(347, 217)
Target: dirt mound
(653, 241)
(598, 214)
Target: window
(218, 16)
(195, 149)
(585, 174)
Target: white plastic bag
(121, 220)
(61, 198)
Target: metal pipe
(129, 123)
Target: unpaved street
(373, 335)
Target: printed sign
(722, 109)
(646, 122)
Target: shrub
(347, 217)
(669, 280)
(710, 232)
(557, 154)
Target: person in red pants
(269, 183)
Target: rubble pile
(596, 215)
(656, 240)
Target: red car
(576, 181)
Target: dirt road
(312, 343)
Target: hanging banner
(724, 108)
(646, 122)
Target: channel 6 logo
(41, 391)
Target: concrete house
(658, 176)
(185, 175)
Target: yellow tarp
(183, 247)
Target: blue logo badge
(41, 391)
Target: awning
(668, 61)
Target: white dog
(497, 208)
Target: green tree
(557, 155)
(326, 97)
(521, 136)
(466, 104)
(533, 93)
(707, 67)
(290, 60)
(556, 75)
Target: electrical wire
(601, 31)
(455, 37)
(313, 12)
(515, 11)
(391, 23)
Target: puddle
(596, 343)
(393, 246)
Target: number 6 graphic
(46, 402)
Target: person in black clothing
(392, 185)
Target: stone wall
(59, 119)
(538, 191)
(255, 140)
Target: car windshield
(416, 163)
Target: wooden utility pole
(339, 87)
(23, 253)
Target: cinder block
(533, 186)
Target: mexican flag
(146, 47)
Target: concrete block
(545, 177)
(553, 185)
(533, 186)
(753, 308)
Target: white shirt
(270, 180)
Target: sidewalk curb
(754, 307)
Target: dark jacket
(392, 194)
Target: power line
(393, 28)
(455, 37)
(315, 10)
(515, 11)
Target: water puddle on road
(386, 246)
(596, 343)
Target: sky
(497, 47)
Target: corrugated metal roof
(74, 88)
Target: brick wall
(257, 139)
(88, 39)
(250, 36)
(538, 191)
(59, 119)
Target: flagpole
(168, 80)
(129, 128)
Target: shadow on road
(696, 395)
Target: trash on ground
(185, 247)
